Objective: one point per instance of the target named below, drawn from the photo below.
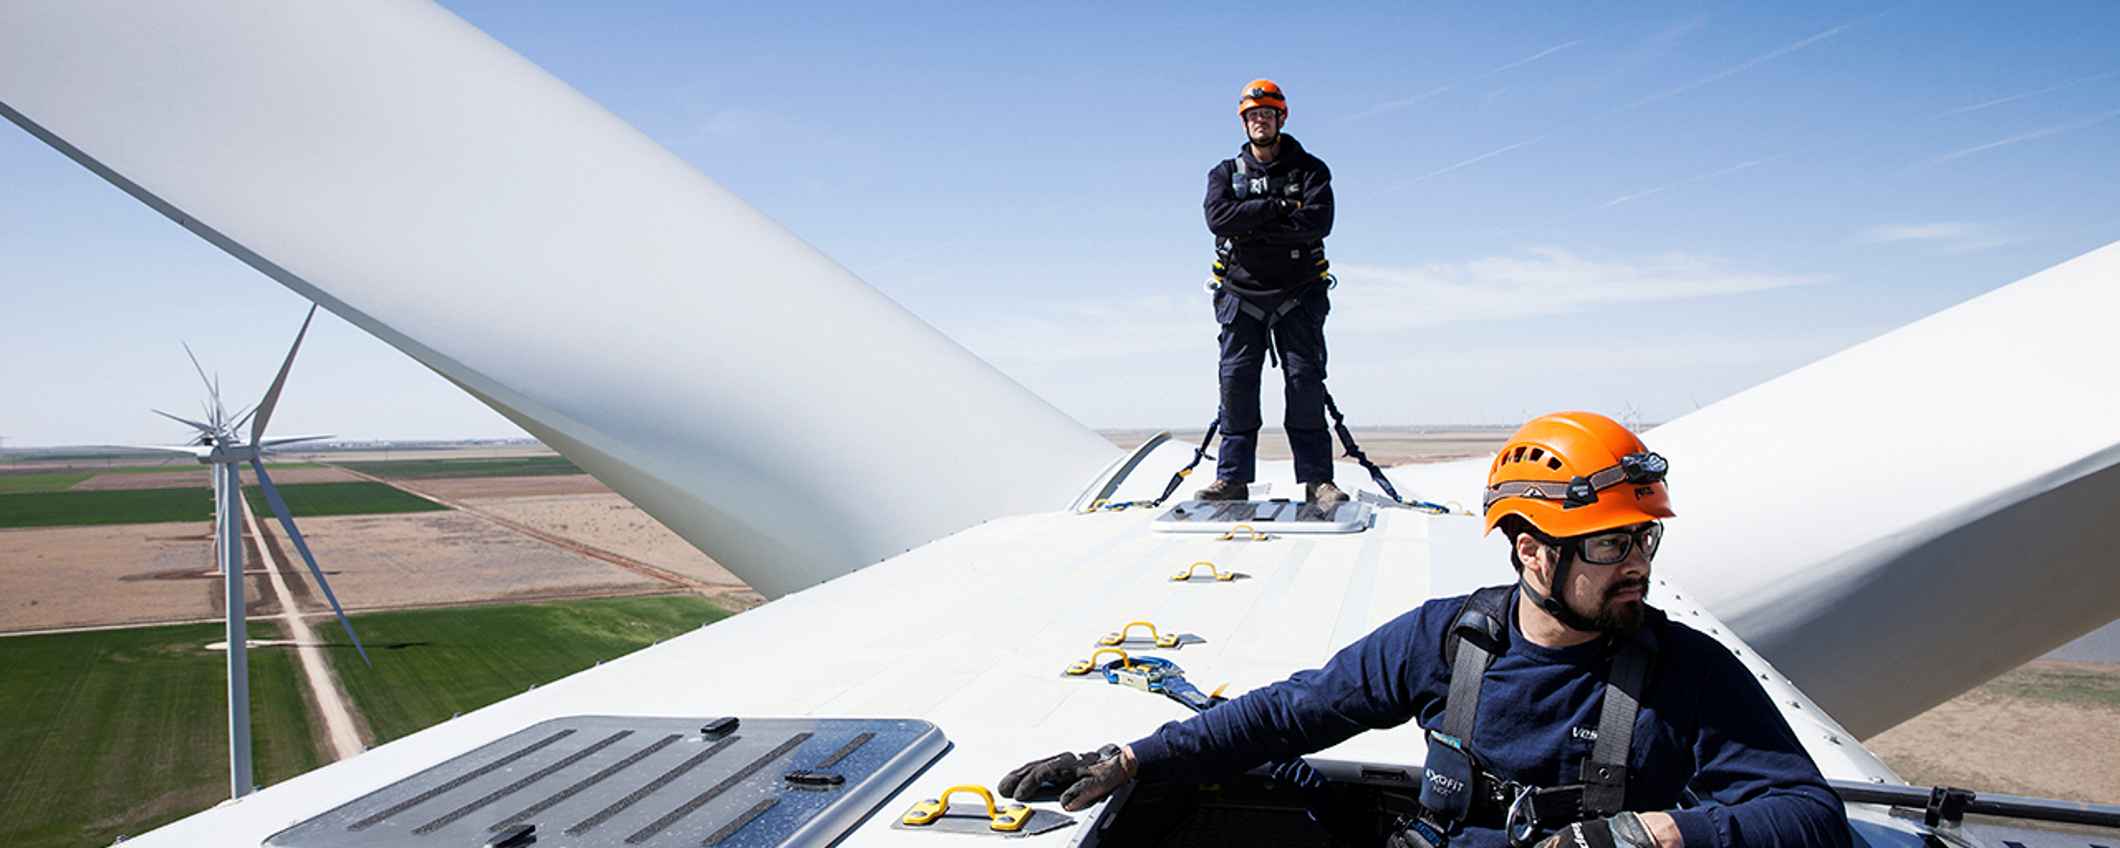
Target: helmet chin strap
(1553, 605)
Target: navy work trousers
(1300, 338)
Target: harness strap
(1479, 632)
(1476, 636)
(1269, 318)
(1354, 451)
(1178, 479)
(1605, 773)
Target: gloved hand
(1083, 779)
(1621, 831)
(1296, 773)
(1287, 204)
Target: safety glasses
(1613, 548)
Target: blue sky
(1632, 207)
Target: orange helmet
(1262, 92)
(1575, 473)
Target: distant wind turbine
(220, 443)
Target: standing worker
(1563, 711)
(1270, 209)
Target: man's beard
(1271, 139)
(1620, 617)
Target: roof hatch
(636, 782)
(1275, 517)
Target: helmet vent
(1518, 456)
(1553, 462)
(1538, 454)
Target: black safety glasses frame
(1614, 546)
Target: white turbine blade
(186, 450)
(272, 395)
(742, 388)
(277, 441)
(301, 546)
(196, 367)
(200, 427)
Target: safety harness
(1241, 184)
(1458, 790)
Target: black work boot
(1324, 495)
(1224, 490)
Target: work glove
(1082, 779)
(1296, 773)
(1408, 834)
(1621, 831)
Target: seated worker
(1590, 717)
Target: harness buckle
(1521, 824)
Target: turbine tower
(221, 444)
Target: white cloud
(1372, 298)
(1542, 281)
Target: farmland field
(356, 498)
(457, 660)
(114, 732)
(418, 469)
(43, 481)
(142, 506)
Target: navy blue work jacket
(1277, 223)
(1704, 725)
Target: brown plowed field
(430, 558)
(88, 576)
(1386, 446)
(610, 522)
(474, 488)
(2049, 729)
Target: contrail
(2016, 97)
(1475, 160)
(1719, 172)
(1528, 59)
(1719, 75)
(1395, 105)
(1746, 65)
(2057, 129)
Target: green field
(148, 506)
(417, 469)
(433, 664)
(115, 732)
(356, 498)
(141, 506)
(59, 479)
(2068, 683)
(42, 481)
